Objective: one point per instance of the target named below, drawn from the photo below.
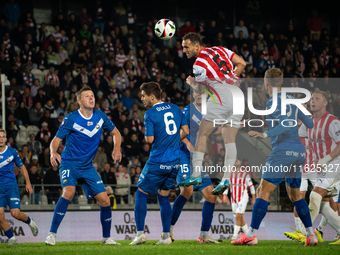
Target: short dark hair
(151, 88)
(193, 37)
(85, 88)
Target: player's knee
(15, 214)
(187, 193)
(211, 198)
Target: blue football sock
(59, 213)
(207, 215)
(140, 209)
(164, 203)
(259, 211)
(177, 208)
(302, 210)
(105, 219)
(28, 221)
(9, 233)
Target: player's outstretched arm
(55, 157)
(117, 140)
(24, 173)
(184, 132)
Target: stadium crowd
(47, 64)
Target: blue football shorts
(185, 170)
(284, 164)
(86, 176)
(9, 195)
(157, 176)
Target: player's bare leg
(105, 217)
(229, 137)
(239, 224)
(17, 214)
(59, 213)
(324, 221)
(4, 225)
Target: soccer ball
(165, 29)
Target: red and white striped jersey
(325, 135)
(239, 182)
(215, 65)
(120, 60)
(53, 76)
(310, 156)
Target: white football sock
(139, 233)
(197, 159)
(229, 159)
(323, 222)
(204, 234)
(236, 230)
(331, 216)
(245, 228)
(314, 205)
(298, 223)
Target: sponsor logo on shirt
(89, 123)
(65, 181)
(98, 182)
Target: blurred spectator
(100, 157)
(241, 27)
(144, 154)
(35, 180)
(25, 154)
(52, 192)
(98, 16)
(186, 28)
(33, 145)
(108, 177)
(35, 113)
(123, 178)
(12, 14)
(22, 115)
(314, 24)
(120, 16)
(27, 77)
(26, 98)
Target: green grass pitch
(179, 247)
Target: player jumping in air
(9, 192)
(82, 130)
(165, 126)
(287, 151)
(219, 69)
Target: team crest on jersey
(89, 123)
(184, 176)
(65, 181)
(8, 160)
(97, 126)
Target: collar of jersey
(158, 103)
(4, 150)
(84, 116)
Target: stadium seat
(44, 200)
(82, 200)
(38, 74)
(24, 200)
(32, 129)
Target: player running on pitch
(288, 152)
(218, 69)
(9, 192)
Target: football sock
(322, 223)
(236, 230)
(140, 210)
(197, 159)
(314, 205)
(105, 219)
(229, 159)
(177, 208)
(28, 221)
(245, 228)
(9, 233)
(298, 223)
(302, 210)
(207, 215)
(259, 211)
(165, 206)
(59, 213)
(331, 216)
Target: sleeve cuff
(265, 135)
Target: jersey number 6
(168, 122)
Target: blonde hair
(3, 131)
(323, 93)
(274, 76)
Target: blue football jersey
(163, 122)
(83, 135)
(290, 137)
(193, 117)
(7, 160)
